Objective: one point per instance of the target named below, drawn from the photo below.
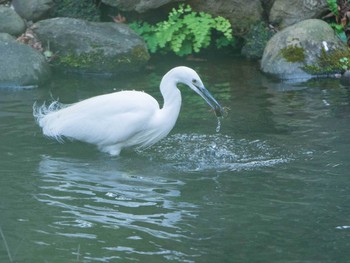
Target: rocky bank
(74, 44)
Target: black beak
(205, 94)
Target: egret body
(122, 119)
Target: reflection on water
(110, 196)
(94, 194)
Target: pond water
(272, 186)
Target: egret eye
(194, 81)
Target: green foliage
(339, 30)
(185, 32)
(330, 62)
(338, 18)
(333, 6)
(344, 62)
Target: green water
(272, 186)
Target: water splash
(218, 127)
(217, 152)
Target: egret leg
(113, 150)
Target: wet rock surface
(92, 47)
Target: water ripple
(138, 196)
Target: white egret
(122, 119)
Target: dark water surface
(272, 186)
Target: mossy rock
(92, 47)
(293, 53)
(331, 62)
(298, 51)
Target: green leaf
(333, 6)
(342, 36)
(184, 32)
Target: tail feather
(43, 116)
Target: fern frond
(184, 32)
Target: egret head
(190, 78)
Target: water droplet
(219, 125)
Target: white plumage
(122, 119)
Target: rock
(11, 22)
(5, 37)
(82, 9)
(241, 13)
(285, 13)
(33, 10)
(92, 47)
(140, 6)
(20, 64)
(345, 79)
(291, 52)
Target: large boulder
(285, 13)
(92, 47)
(11, 22)
(139, 6)
(241, 13)
(295, 52)
(21, 65)
(33, 10)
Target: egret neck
(172, 100)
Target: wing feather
(102, 120)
